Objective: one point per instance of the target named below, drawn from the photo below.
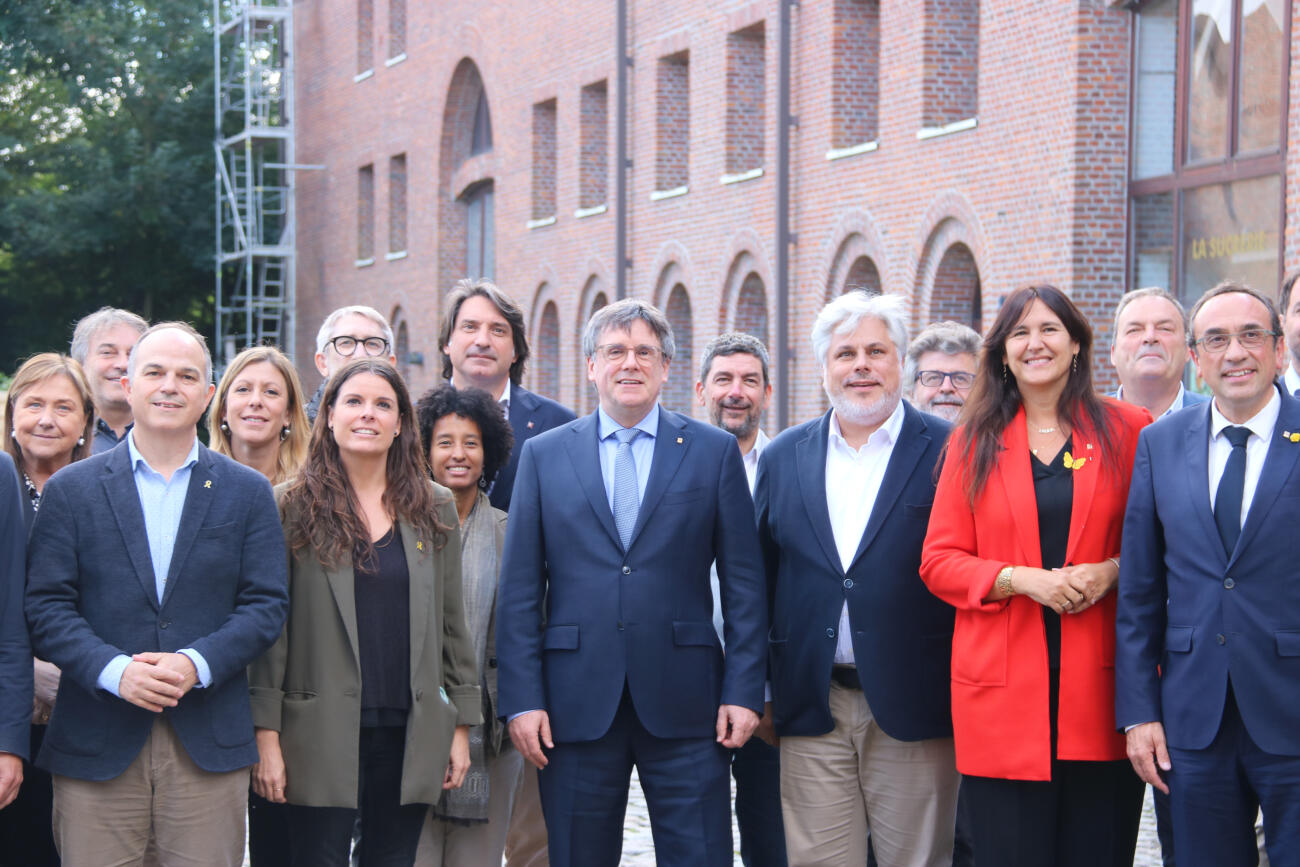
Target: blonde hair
(37, 369)
(293, 446)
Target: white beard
(866, 415)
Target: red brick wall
(544, 144)
(746, 98)
(950, 65)
(593, 165)
(956, 287)
(855, 83)
(672, 121)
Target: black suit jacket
(530, 414)
(15, 653)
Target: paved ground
(638, 848)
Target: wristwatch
(1003, 582)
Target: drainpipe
(783, 237)
(621, 162)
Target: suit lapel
(1196, 454)
(342, 581)
(671, 443)
(198, 500)
(583, 445)
(913, 440)
(124, 502)
(421, 588)
(1084, 447)
(1017, 479)
(1279, 463)
(810, 454)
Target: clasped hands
(1070, 589)
(156, 680)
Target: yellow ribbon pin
(419, 545)
(208, 483)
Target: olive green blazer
(308, 685)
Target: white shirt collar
(1179, 399)
(504, 399)
(887, 433)
(608, 427)
(1261, 424)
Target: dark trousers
(1164, 827)
(268, 832)
(26, 838)
(756, 768)
(584, 796)
(1215, 793)
(1087, 815)
(390, 830)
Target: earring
(1074, 365)
(1004, 373)
(284, 433)
(482, 482)
(396, 434)
(81, 441)
(225, 428)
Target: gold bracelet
(1114, 560)
(1003, 582)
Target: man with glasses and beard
(940, 369)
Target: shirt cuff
(200, 666)
(1128, 729)
(110, 679)
(515, 716)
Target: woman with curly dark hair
(364, 703)
(1024, 541)
(467, 439)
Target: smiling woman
(257, 416)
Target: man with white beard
(859, 648)
(940, 369)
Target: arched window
(956, 293)
(751, 307)
(546, 352)
(466, 233)
(679, 393)
(862, 276)
(586, 392)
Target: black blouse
(1054, 493)
(382, 591)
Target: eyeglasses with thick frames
(346, 345)
(1249, 338)
(961, 380)
(614, 353)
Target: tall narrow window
(956, 293)
(544, 159)
(593, 173)
(746, 95)
(679, 393)
(397, 204)
(480, 235)
(751, 307)
(396, 28)
(546, 348)
(672, 121)
(365, 35)
(950, 68)
(855, 77)
(366, 214)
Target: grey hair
(327, 327)
(184, 328)
(620, 315)
(846, 312)
(947, 338)
(105, 317)
(1148, 292)
(735, 343)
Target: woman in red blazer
(1024, 540)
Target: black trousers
(390, 831)
(1087, 815)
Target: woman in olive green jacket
(365, 702)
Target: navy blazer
(641, 617)
(1190, 616)
(15, 652)
(530, 414)
(91, 595)
(902, 635)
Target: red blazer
(1000, 710)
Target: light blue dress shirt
(162, 501)
(643, 450)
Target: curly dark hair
(477, 406)
(322, 511)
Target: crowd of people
(965, 616)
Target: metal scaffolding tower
(252, 50)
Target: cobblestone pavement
(638, 848)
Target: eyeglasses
(1250, 338)
(613, 353)
(961, 380)
(346, 345)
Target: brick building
(949, 150)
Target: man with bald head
(156, 574)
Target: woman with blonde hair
(257, 415)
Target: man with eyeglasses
(615, 522)
(940, 368)
(346, 334)
(1207, 644)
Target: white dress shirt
(1261, 435)
(1179, 399)
(853, 478)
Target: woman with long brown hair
(1024, 541)
(363, 705)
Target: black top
(1054, 493)
(382, 589)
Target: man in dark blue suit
(484, 345)
(1208, 621)
(156, 574)
(15, 652)
(608, 655)
(860, 649)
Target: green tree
(106, 165)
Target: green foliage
(106, 165)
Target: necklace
(1046, 430)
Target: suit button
(1219, 638)
(620, 626)
(848, 583)
(830, 633)
(627, 570)
(163, 624)
(1228, 583)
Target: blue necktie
(626, 500)
(1227, 501)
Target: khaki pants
(197, 817)
(855, 780)
(526, 841)
(454, 845)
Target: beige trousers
(526, 840)
(446, 844)
(197, 817)
(856, 780)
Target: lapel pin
(530, 425)
(1073, 463)
(419, 544)
(679, 441)
(1089, 445)
(208, 483)
(1293, 437)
